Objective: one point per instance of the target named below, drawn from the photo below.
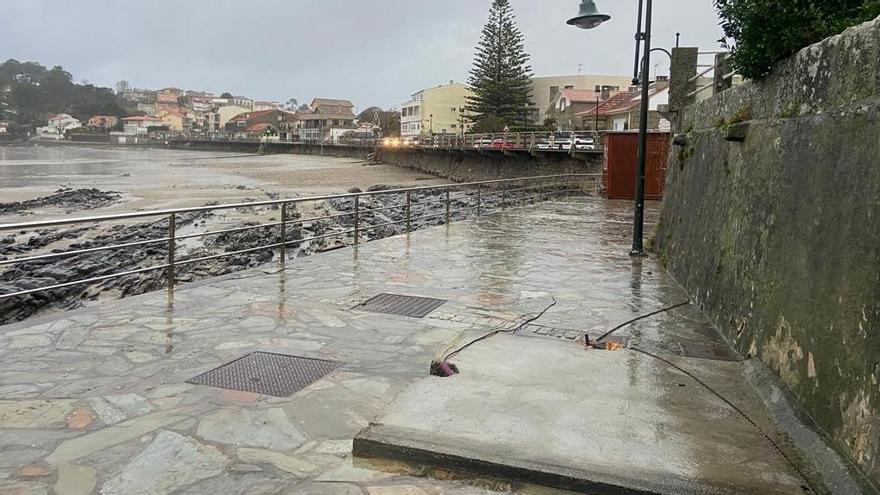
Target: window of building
(553, 91)
(569, 87)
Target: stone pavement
(96, 400)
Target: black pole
(638, 248)
(638, 44)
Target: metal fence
(441, 204)
(560, 142)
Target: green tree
(762, 32)
(501, 75)
(387, 120)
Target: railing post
(503, 196)
(479, 201)
(283, 233)
(447, 206)
(357, 220)
(408, 212)
(172, 235)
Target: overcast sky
(375, 52)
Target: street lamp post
(589, 17)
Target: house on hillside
(177, 120)
(141, 125)
(216, 119)
(4, 127)
(57, 127)
(103, 122)
(255, 125)
(267, 105)
(169, 99)
(327, 120)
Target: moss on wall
(777, 236)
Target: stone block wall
(472, 166)
(772, 223)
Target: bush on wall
(762, 32)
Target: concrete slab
(552, 413)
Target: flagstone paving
(96, 400)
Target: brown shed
(621, 156)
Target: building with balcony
(103, 122)
(140, 125)
(251, 125)
(327, 119)
(437, 110)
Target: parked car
(544, 143)
(483, 143)
(502, 144)
(581, 143)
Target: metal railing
(476, 197)
(560, 142)
(719, 68)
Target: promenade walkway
(97, 400)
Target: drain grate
(714, 352)
(393, 304)
(278, 375)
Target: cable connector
(443, 369)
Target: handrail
(199, 209)
(428, 207)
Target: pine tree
(501, 75)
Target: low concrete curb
(385, 442)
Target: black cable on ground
(496, 332)
(732, 406)
(648, 315)
(705, 385)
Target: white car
(483, 143)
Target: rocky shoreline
(386, 211)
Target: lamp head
(588, 16)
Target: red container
(621, 157)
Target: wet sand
(158, 179)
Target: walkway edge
(384, 442)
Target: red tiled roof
(250, 115)
(141, 118)
(622, 102)
(258, 127)
(579, 95)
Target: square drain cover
(714, 352)
(393, 304)
(265, 373)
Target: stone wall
(271, 148)
(772, 223)
(461, 166)
(470, 166)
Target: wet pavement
(96, 400)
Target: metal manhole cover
(393, 304)
(714, 352)
(265, 373)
